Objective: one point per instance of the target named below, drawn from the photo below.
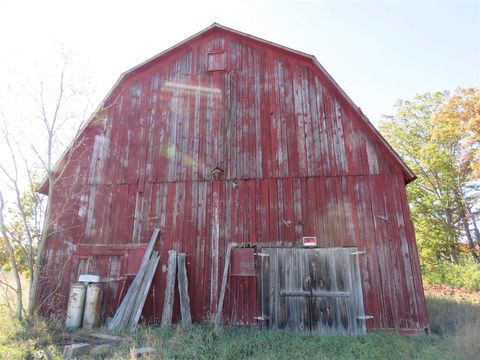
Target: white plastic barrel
(93, 306)
(76, 304)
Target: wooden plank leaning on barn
(125, 309)
(169, 289)
(183, 290)
(218, 314)
(143, 291)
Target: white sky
(378, 51)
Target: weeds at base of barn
(454, 323)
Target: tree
(438, 135)
(26, 226)
(19, 236)
(459, 119)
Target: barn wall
(340, 210)
(297, 161)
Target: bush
(464, 274)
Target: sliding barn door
(316, 290)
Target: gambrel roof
(408, 174)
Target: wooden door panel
(332, 292)
(293, 279)
(315, 290)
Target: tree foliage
(438, 135)
(30, 209)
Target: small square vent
(216, 61)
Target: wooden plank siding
(297, 160)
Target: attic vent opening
(216, 61)
(217, 173)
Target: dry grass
(467, 340)
(455, 313)
(7, 295)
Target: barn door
(316, 290)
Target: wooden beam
(183, 290)
(106, 337)
(327, 294)
(76, 350)
(218, 315)
(125, 309)
(105, 249)
(143, 291)
(169, 289)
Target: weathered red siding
(298, 160)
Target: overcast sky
(378, 51)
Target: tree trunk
(450, 230)
(466, 228)
(13, 263)
(40, 258)
(466, 216)
(471, 242)
(18, 282)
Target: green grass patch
(203, 342)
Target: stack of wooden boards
(129, 311)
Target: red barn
(226, 138)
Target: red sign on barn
(309, 241)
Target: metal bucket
(76, 304)
(93, 306)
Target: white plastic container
(76, 304)
(93, 306)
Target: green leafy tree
(435, 135)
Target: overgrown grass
(455, 325)
(455, 314)
(203, 342)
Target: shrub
(464, 274)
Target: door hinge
(261, 254)
(357, 253)
(261, 318)
(365, 317)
